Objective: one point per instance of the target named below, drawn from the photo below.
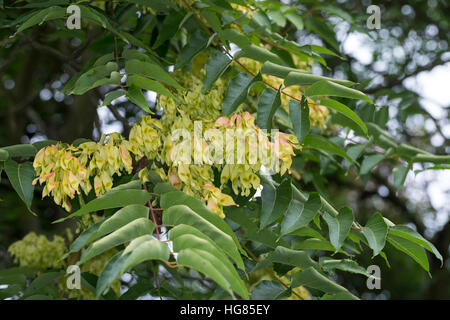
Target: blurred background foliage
(413, 40)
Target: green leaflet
(171, 196)
(321, 143)
(413, 154)
(339, 226)
(252, 232)
(269, 101)
(237, 92)
(138, 290)
(133, 184)
(215, 67)
(432, 158)
(234, 37)
(183, 229)
(335, 10)
(370, 162)
(11, 277)
(324, 50)
(133, 54)
(4, 155)
(95, 77)
(205, 263)
(400, 172)
(296, 78)
(411, 249)
(111, 96)
(295, 19)
(296, 193)
(328, 88)
(188, 237)
(143, 249)
(299, 216)
(21, 177)
(40, 282)
(411, 235)
(268, 195)
(268, 290)
(258, 53)
(324, 30)
(299, 115)
(170, 27)
(151, 70)
(346, 111)
(88, 12)
(277, 70)
(196, 43)
(148, 84)
(110, 272)
(405, 149)
(212, 19)
(347, 265)
(181, 214)
(43, 143)
(308, 232)
(380, 136)
(135, 95)
(119, 219)
(289, 257)
(260, 20)
(103, 60)
(129, 38)
(164, 187)
(277, 17)
(13, 289)
(315, 244)
(19, 273)
(354, 151)
(293, 214)
(146, 250)
(134, 229)
(338, 296)
(313, 279)
(83, 239)
(112, 199)
(21, 151)
(39, 17)
(375, 232)
(382, 117)
(283, 197)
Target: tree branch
(393, 81)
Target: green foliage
(286, 226)
(339, 226)
(268, 103)
(237, 92)
(112, 199)
(332, 89)
(275, 206)
(375, 232)
(299, 216)
(215, 67)
(21, 177)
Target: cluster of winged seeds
(67, 170)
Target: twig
(152, 215)
(56, 53)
